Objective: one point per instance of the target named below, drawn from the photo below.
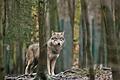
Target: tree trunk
(83, 35)
(87, 36)
(1, 39)
(53, 15)
(103, 46)
(42, 62)
(71, 12)
(65, 25)
(116, 19)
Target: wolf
(54, 48)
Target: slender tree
(65, 25)
(1, 39)
(116, 35)
(86, 26)
(116, 19)
(53, 15)
(83, 36)
(71, 12)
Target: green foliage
(20, 21)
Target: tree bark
(42, 62)
(1, 39)
(53, 15)
(87, 25)
(116, 19)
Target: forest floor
(83, 74)
(70, 74)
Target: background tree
(53, 15)
(83, 35)
(65, 25)
(86, 35)
(111, 36)
(1, 39)
(116, 19)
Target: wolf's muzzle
(58, 43)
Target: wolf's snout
(58, 43)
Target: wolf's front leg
(48, 65)
(53, 62)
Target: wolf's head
(57, 39)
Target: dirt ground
(70, 74)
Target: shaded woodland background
(92, 33)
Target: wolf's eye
(54, 38)
(61, 38)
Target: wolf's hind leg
(27, 67)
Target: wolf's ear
(53, 33)
(62, 33)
